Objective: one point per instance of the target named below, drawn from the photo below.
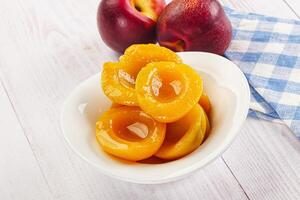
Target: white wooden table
(47, 47)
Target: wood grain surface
(46, 49)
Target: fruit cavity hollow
(130, 128)
(166, 86)
(144, 7)
(178, 45)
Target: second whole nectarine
(194, 25)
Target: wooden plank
(266, 7)
(265, 157)
(265, 160)
(214, 182)
(19, 171)
(47, 48)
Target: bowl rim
(187, 170)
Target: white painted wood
(267, 7)
(265, 159)
(20, 175)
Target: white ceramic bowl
(229, 93)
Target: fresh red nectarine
(122, 23)
(194, 25)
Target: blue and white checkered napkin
(267, 49)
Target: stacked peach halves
(155, 109)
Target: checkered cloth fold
(267, 49)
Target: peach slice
(129, 133)
(205, 103)
(138, 56)
(118, 85)
(184, 135)
(208, 127)
(118, 79)
(167, 90)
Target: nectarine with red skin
(194, 25)
(122, 23)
